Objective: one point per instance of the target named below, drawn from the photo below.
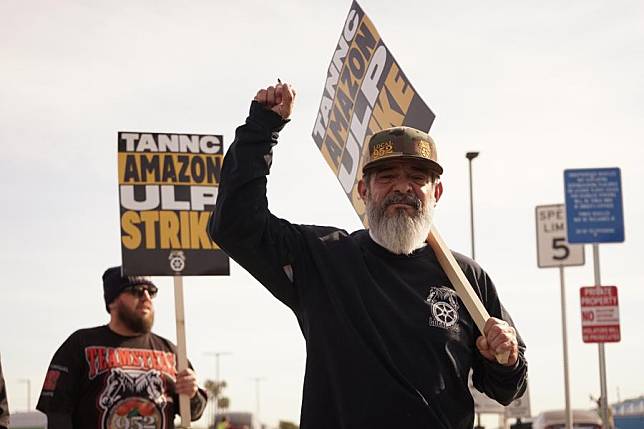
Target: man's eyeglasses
(139, 290)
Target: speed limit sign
(552, 248)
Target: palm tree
(223, 403)
(215, 397)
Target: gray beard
(135, 322)
(399, 233)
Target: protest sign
(365, 91)
(167, 188)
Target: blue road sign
(594, 210)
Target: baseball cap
(402, 143)
(114, 282)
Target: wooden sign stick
(182, 354)
(462, 285)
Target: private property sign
(600, 314)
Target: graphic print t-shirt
(105, 380)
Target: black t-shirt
(389, 344)
(106, 380)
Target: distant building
(629, 407)
(629, 414)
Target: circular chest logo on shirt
(133, 400)
(443, 304)
(140, 413)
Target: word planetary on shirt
(102, 359)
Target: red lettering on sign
(600, 314)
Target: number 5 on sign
(552, 248)
(560, 246)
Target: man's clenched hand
(278, 98)
(186, 383)
(500, 338)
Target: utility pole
(257, 381)
(217, 355)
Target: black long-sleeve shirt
(389, 344)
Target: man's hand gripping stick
(462, 286)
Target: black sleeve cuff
(198, 404)
(502, 372)
(266, 118)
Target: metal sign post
(554, 251)
(595, 214)
(564, 336)
(603, 399)
(600, 319)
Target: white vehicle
(581, 419)
(28, 420)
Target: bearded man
(389, 344)
(119, 375)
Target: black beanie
(114, 282)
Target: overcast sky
(535, 87)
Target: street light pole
(470, 156)
(257, 380)
(216, 355)
(28, 382)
